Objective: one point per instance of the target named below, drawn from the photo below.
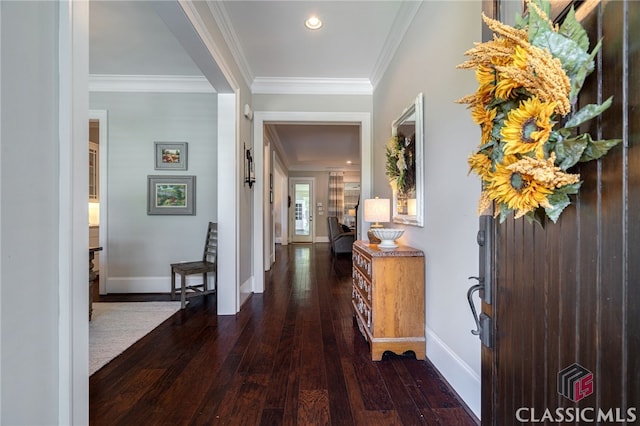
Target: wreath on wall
(529, 78)
(401, 163)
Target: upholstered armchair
(341, 239)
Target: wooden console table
(388, 298)
(92, 276)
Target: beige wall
(425, 62)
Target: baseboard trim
(459, 374)
(148, 284)
(247, 286)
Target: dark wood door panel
(570, 292)
(632, 303)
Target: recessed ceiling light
(349, 161)
(313, 23)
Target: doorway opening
(302, 193)
(97, 193)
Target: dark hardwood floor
(291, 356)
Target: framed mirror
(406, 150)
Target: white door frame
(366, 158)
(73, 278)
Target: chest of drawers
(388, 298)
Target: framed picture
(171, 195)
(171, 155)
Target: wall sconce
(249, 172)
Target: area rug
(116, 326)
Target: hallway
(291, 356)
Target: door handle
(473, 289)
(483, 322)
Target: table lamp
(377, 210)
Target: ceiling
(270, 44)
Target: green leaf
(497, 156)
(587, 112)
(569, 151)
(572, 29)
(595, 50)
(573, 58)
(521, 22)
(569, 189)
(504, 211)
(578, 79)
(559, 202)
(536, 216)
(563, 133)
(596, 149)
(487, 145)
(576, 83)
(536, 22)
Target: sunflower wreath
(529, 77)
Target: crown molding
(401, 24)
(149, 83)
(221, 16)
(312, 86)
(327, 169)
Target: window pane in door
(302, 213)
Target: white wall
(140, 246)
(29, 188)
(425, 62)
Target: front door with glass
(301, 211)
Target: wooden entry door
(565, 309)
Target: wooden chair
(207, 265)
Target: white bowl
(387, 236)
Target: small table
(92, 276)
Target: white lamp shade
(377, 210)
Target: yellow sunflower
(480, 164)
(518, 191)
(506, 84)
(528, 127)
(484, 117)
(486, 77)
